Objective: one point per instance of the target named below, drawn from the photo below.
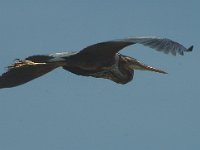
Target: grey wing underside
(61, 56)
(159, 44)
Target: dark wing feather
(104, 49)
(112, 47)
(23, 71)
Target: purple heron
(101, 60)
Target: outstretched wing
(32, 67)
(112, 47)
(23, 71)
(20, 75)
(161, 44)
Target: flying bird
(101, 60)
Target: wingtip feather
(190, 48)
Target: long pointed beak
(149, 68)
(139, 66)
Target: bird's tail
(23, 71)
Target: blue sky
(62, 111)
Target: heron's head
(130, 64)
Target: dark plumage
(100, 60)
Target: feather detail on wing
(160, 44)
(110, 48)
(23, 71)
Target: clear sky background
(61, 111)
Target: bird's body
(100, 60)
(110, 69)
